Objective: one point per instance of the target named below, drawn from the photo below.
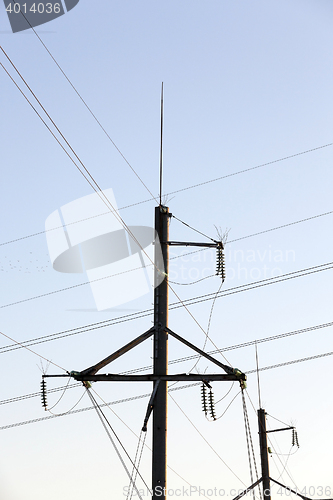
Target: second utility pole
(161, 299)
(266, 485)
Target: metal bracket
(150, 407)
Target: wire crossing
(105, 422)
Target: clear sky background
(246, 83)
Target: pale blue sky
(245, 83)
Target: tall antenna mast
(258, 380)
(161, 148)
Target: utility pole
(161, 305)
(159, 331)
(266, 485)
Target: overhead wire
(62, 414)
(33, 352)
(106, 323)
(284, 466)
(90, 179)
(292, 362)
(122, 155)
(36, 394)
(192, 282)
(175, 305)
(102, 195)
(213, 179)
(94, 183)
(181, 255)
(227, 408)
(208, 326)
(206, 441)
(86, 105)
(148, 395)
(193, 229)
(96, 187)
(136, 464)
(98, 190)
(249, 442)
(176, 294)
(210, 296)
(252, 168)
(269, 415)
(60, 398)
(107, 424)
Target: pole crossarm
(181, 377)
(245, 492)
(92, 370)
(194, 244)
(228, 369)
(279, 430)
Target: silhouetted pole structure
(264, 454)
(161, 299)
(157, 405)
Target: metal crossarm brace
(291, 490)
(228, 369)
(245, 492)
(95, 368)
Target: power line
(175, 305)
(280, 227)
(37, 394)
(258, 284)
(292, 362)
(73, 331)
(95, 185)
(168, 466)
(124, 158)
(189, 253)
(33, 352)
(97, 188)
(251, 168)
(86, 105)
(193, 229)
(207, 442)
(172, 258)
(70, 223)
(101, 415)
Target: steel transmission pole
(264, 454)
(161, 300)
